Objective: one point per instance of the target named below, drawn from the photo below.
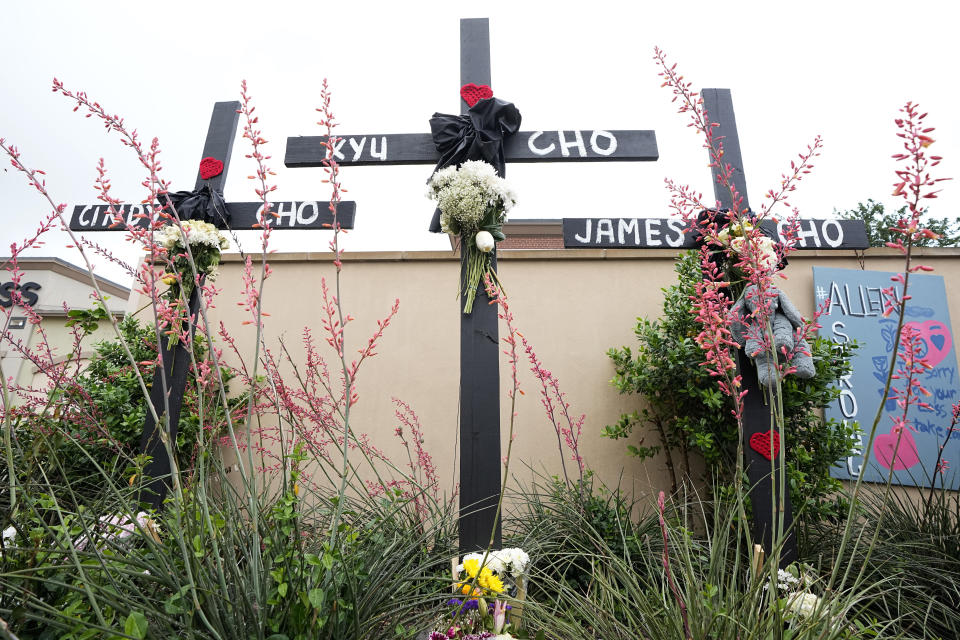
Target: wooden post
(170, 378)
(479, 359)
(480, 466)
(769, 513)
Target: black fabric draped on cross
(203, 204)
(478, 135)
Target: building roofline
(70, 270)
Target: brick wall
(531, 242)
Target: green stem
(477, 265)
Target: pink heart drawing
(907, 455)
(936, 336)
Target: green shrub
(96, 419)
(692, 418)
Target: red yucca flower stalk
(712, 301)
(914, 184)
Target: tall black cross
(770, 514)
(170, 378)
(479, 337)
(669, 233)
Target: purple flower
(469, 605)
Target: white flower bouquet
(742, 241)
(473, 202)
(206, 242)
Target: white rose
(485, 241)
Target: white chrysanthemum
(493, 561)
(440, 179)
(203, 233)
(198, 233)
(804, 603)
(478, 171)
(516, 559)
(168, 236)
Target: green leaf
(174, 605)
(136, 625)
(282, 589)
(317, 596)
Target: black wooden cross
(170, 378)
(770, 514)
(479, 337)
(669, 233)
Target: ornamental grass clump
(474, 202)
(319, 554)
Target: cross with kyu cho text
(479, 337)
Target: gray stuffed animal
(785, 319)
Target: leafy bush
(692, 417)
(95, 420)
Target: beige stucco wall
(571, 305)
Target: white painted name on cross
(294, 213)
(96, 216)
(374, 152)
(602, 143)
(657, 232)
(639, 233)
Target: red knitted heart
(472, 93)
(760, 442)
(210, 168)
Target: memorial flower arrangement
(121, 527)
(482, 576)
(473, 202)
(794, 595)
(734, 238)
(206, 242)
(505, 562)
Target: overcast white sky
(838, 69)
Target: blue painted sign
(855, 301)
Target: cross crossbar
(581, 145)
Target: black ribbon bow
(478, 135)
(203, 204)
